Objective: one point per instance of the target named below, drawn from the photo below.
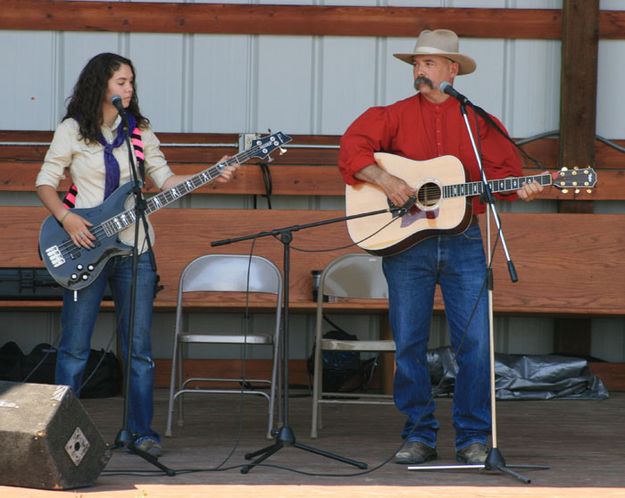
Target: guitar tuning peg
(575, 168)
(282, 150)
(577, 191)
(269, 159)
(588, 191)
(565, 191)
(564, 168)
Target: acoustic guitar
(441, 202)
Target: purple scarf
(110, 163)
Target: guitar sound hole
(429, 195)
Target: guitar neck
(503, 185)
(166, 197)
(123, 220)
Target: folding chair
(349, 276)
(224, 273)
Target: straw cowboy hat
(442, 42)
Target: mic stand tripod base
(494, 462)
(286, 437)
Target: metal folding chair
(223, 273)
(349, 276)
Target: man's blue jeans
(457, 264)
(78, 320)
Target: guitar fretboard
(123, 220)
(503, 185)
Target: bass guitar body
(75, 267)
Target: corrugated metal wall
(302, 85)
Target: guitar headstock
(576, 179)
(263, 147)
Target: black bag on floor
(102, 377)
(343, 371)
(11, 357)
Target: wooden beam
(612, 374)
(31, 145)
(281, 19)
(59, 15)
(294, 180)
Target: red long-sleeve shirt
(418, 129)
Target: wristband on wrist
(64, 216)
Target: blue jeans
(77, 322)
(457, 264)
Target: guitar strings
(68, 245)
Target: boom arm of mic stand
(294, 228)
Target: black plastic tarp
(524, 377)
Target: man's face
(431, 70)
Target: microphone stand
(494, 459)
(285, 435)
(124, 438)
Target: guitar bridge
(55, 256)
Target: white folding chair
(224, 273)
(349, 276)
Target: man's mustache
(422, 80)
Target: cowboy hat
(441, 42)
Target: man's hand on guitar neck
(529, 191)
(396, 189)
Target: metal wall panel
(283, 95)
(159, 60)
(28, 85)
(610, 101)
(348, 73)
(301, 85)
(222, 83)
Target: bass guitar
(441, 201)
(75, 267)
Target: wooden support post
(578, 111)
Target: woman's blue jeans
(78, 320)
(457, 264)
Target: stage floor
(582, 442)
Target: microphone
(447, 88)
(116, 100)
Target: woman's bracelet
(64, 216)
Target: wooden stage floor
(583, 443)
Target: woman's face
(122, 84)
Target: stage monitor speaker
(47, 439)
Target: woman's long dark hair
(85, 104)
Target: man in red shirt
(422, 127)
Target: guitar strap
(137, 144)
